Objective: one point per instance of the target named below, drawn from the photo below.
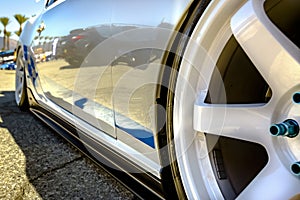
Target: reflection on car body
(144, 88)
(80, 42)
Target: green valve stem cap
(288, 128)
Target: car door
(140, 38)
(69, 70)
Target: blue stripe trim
(25, 52)
(142, 135)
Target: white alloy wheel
(222, 138)
(20, 83)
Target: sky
(25, 7)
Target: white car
(190, 99)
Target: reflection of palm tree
(41, 38)
(46, 38)
(20, 19)
(5, 21)
(8, 34)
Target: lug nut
(289, 128)
(295, 168)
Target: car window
(50, 2)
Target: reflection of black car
(75, 47)
(65, 45)
(138, 58)
(78, 45)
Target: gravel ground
(35, 163)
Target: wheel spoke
(19, 88)
(246, 122)
(274, 55)
(274, 182)
(20, 61)
(19, 74)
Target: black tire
(171, 180)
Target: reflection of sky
(145, 13)
(68, 19)
(151, 13)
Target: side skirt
(143, 184)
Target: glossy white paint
(96, 91)
(130, 91)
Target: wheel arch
(171, 180)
